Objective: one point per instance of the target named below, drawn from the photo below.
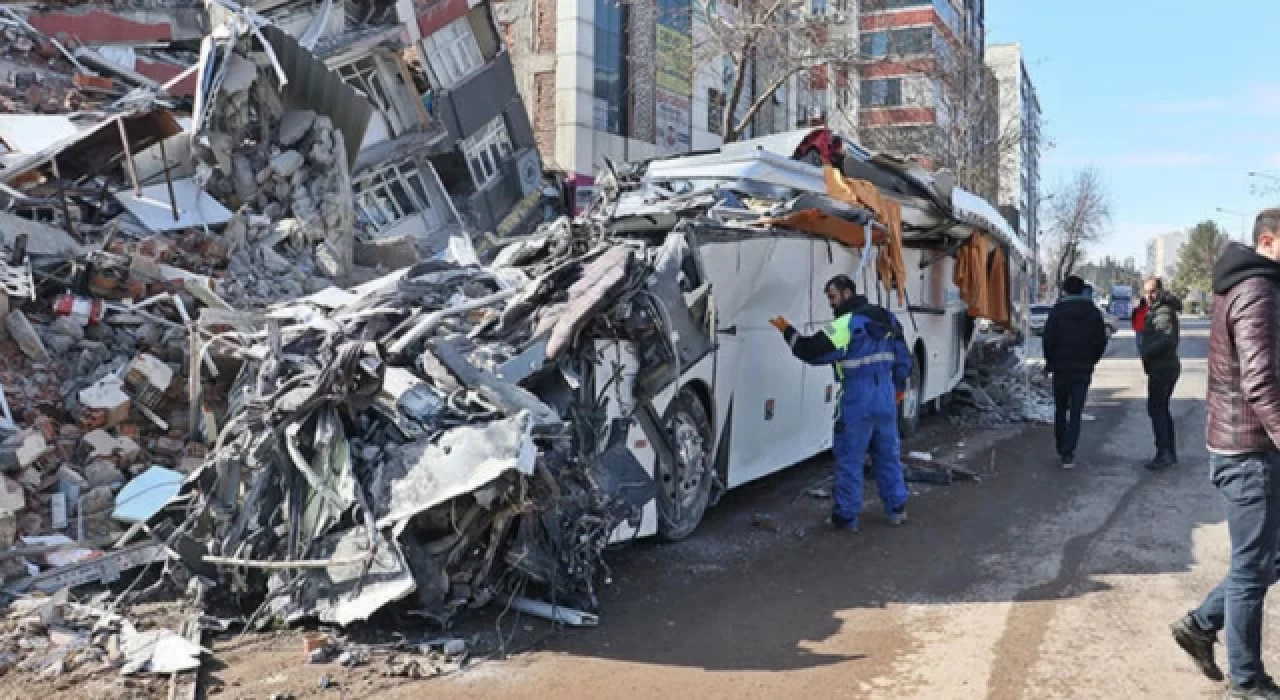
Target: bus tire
(684, 489)
(909, 409)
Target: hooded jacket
(1244, 354)
(1075, 336)
(1161, 334)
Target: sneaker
(1198, 643)
(1068, 461)
(1262, 689)
(898, 517)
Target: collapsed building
(438, 139)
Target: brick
(83, 80)
(544, 27)
(544, 112)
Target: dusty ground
(1034, 583)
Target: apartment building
(1019, 123)
(449, 142)
(923, 89)
(609, 79)
(1162, 253)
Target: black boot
(1162, 461)
(1262, 689)
(1198, 643)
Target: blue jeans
(1070, 390)
(855, 435)
(1137, 341)
(1251, 486)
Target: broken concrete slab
(294, 126)
(99, 444)
(158, 651)
(285, 164)
(12, 498)
(25, 336)
(105, 403)
(153, 207)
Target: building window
(897, 42)
(944, 8)
(818, 7)
(386, 196)
(715, 111)
(363, 75)
(610, 67)
(885, 92)
(453, 53)
(486, 150)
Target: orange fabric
(971, 274)
(998, 288)
(982, 275)
(890, 267)
(817, 222)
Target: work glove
(780, 323)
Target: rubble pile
(285, 174)
(1004, 392)
(434, 436)
(430, 434)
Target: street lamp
(1243, 217)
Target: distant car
(1039, 315)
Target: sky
(1174, 102)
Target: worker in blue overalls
(865, 345)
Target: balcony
(484, 95)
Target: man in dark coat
(1160, 336)
(1075, 338)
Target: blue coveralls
(872, 364)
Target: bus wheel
(684, 488)
(909, 409)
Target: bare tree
(1079, 213)
(763, 44)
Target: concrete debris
(999, 389)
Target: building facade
(923, 89)
(449, 142)
(1019, 122)
(612, 80)
(1162, 254)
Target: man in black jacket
(1075, 338)
(1160, 339)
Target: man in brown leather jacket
(1243, 431)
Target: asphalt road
(1034, 583)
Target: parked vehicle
(748, 409)
(1122, 301)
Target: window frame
(486, 149)
(453, 53)
(866, 93)
(375, 193)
